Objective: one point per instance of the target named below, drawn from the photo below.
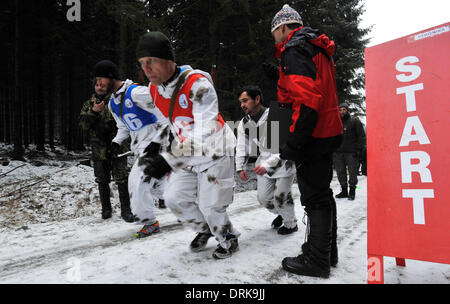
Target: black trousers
(314, 177)
(344, 161)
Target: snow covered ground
(51, 232)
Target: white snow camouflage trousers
(142, 193)
(274, 194)
(200, 199)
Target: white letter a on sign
(74, 13)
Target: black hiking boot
(124, 197)
(334, 249)
(351, 194)
(343, 193)
(301, 265)
(200, 241)
(334, 259)
(222, 253)
(315, 259)
(161, 204)
(284, 230)
(105, 200)
(277, 222)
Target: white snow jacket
(271, 162)
(200, 136)
(140, 118)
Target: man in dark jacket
(348, 155)
(97, 121)
(307, 85)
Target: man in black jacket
(348, 155)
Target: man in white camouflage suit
(137, 118)
(274, 176)
(201, 186)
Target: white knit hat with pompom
(286, 15)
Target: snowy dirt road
(90, 250)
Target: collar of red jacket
(321, 41)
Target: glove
(271, 70)
(115, 148)
(152, 149)
(156, 167)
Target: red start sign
(408, 149)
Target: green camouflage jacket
(100, 127)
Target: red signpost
(408, 149)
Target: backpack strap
(175, 93)
(121, 97)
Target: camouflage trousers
(274, 194)
(103, 169)
(201, 199)
(143, 194)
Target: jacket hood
(325, 43)
(306, 33)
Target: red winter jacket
(307, 85)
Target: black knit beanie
(107, 69)
(155, 44)
(344, 105)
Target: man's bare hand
(243, 175)
(260, 170)
(98, 107)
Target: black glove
(152, 149)
(115, 148)
(271, 70)
(156, 167)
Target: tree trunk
(79, 88)
(25, 115)
(3, 101)
(123, 47)
(39, 102)
(51, 108)
(68, 99)
(18, 151)
(8, 113)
